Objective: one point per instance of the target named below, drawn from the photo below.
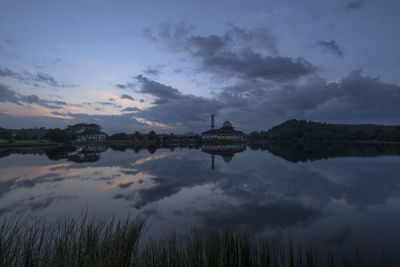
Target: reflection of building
(226, 132)
(87, 153)
(92, 137)
(226, 151)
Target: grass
(27, 143)
(111, 242)
(69, 242)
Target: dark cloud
(34, 99)
(125, 96)
(130, 109)
(255, 104)
(241, 53)
(126, 86)
(174, 35)
(353, 99)
(179, 37)
(31, 79)
(59, 113)
(162, 92)
(5, 72)
(8, 95)
(108, 104)
(260, 39)
(45, 78)
(153, 70)
(252, 104)
(354, 5)
(172, 107)
(205, 46)
(249, 65)
(105, 103)
(330, 46)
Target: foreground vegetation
(69, 242)
(110, 242)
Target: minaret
(212, 121)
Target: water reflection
(351, 199)
(293, 152)
(302, 152)
(226, 151)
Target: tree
(152, 135)
(6, 135)
(254, 136)
(59, 135)
(119, 136)
(137, 136)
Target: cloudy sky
(167, 65)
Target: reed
(111, 242)
(69, 242)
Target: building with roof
(226, 132)
(87, 137)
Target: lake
(339, 196)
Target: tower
(212, 121)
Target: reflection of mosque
(227, 151)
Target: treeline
(90, 132)
(303, 131)
(22, 134)
(137, 136)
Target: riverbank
(47, 143)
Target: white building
(92, 137)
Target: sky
(168, 65)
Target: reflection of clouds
(256, 216)
(33, 203)
(38, 179)
(125, 182)
(256, 192)
(29, 171)
(268, 193)
(150, 158)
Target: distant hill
(300, 130)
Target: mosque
(226, 132)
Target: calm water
(337, 196)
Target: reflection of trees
(21, 151)
(301, 152)
(88, 153)
(61, 152)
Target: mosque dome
(227, 125)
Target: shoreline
(31, 143)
